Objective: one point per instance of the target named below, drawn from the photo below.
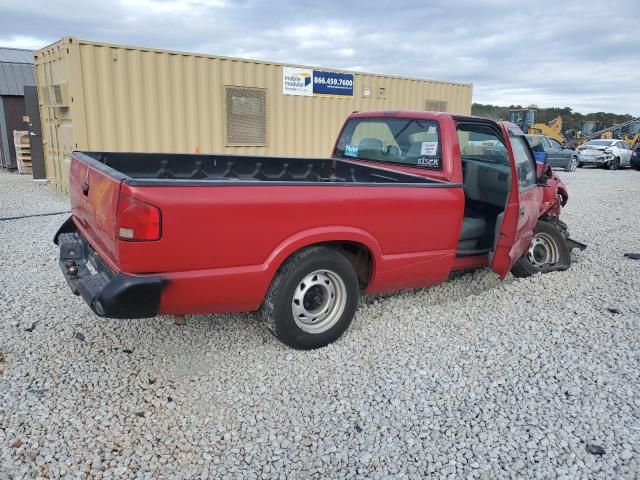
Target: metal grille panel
(246, 116)
(436, 106)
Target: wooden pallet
(23, 151)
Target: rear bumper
(593, 160)
(109, 294)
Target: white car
(612, 154)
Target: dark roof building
(16, 71)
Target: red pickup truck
(406, 199)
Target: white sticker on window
(429, 148)
(431, 129)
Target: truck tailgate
(94, 201)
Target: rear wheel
(614, 164)
(572, 165)
(548, 252)
(312, 298)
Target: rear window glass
(404, 141)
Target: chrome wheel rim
(543, 251)
(574, 164)
(319, 301)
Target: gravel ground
(475, 378)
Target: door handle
(522, 211)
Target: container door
(523, 207)
(35, 133)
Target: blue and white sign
(307, 82)
(332, 83)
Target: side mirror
(541, 163)
(544, 173)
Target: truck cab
(492, 164)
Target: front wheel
(548, 252)
(312, 299)
(614, 164)
(572, 165)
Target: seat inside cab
(486, 174)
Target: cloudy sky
(585, 55)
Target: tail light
(137, 221)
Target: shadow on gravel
(459, 285)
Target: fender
(335, 233)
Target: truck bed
(228, 222)
(171, 169)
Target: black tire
(278, 308)
(572, 165)
(533, 262)
(614, 164)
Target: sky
(584, 55)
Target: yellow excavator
(552, 129)
(631, 134)
(590, 126)
(525, 118)
(627, 131)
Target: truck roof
(417, 114)
(400, 114)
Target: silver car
(612, 154)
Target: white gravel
(534, 378)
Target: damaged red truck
(406, 199)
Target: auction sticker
(351, 150)
(429, 148)
(428, 162)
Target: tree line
(570, 119)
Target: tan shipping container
(102, 97)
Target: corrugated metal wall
(132, 99)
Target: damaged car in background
(611, 154)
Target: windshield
(600, 142)
(405, 141)
(588, 127)
(634, 128)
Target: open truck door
(523, 206)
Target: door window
(481, 143)
(525, 164)
(536, 143)
(555, 144)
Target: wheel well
(358, 255)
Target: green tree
(570, 119)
